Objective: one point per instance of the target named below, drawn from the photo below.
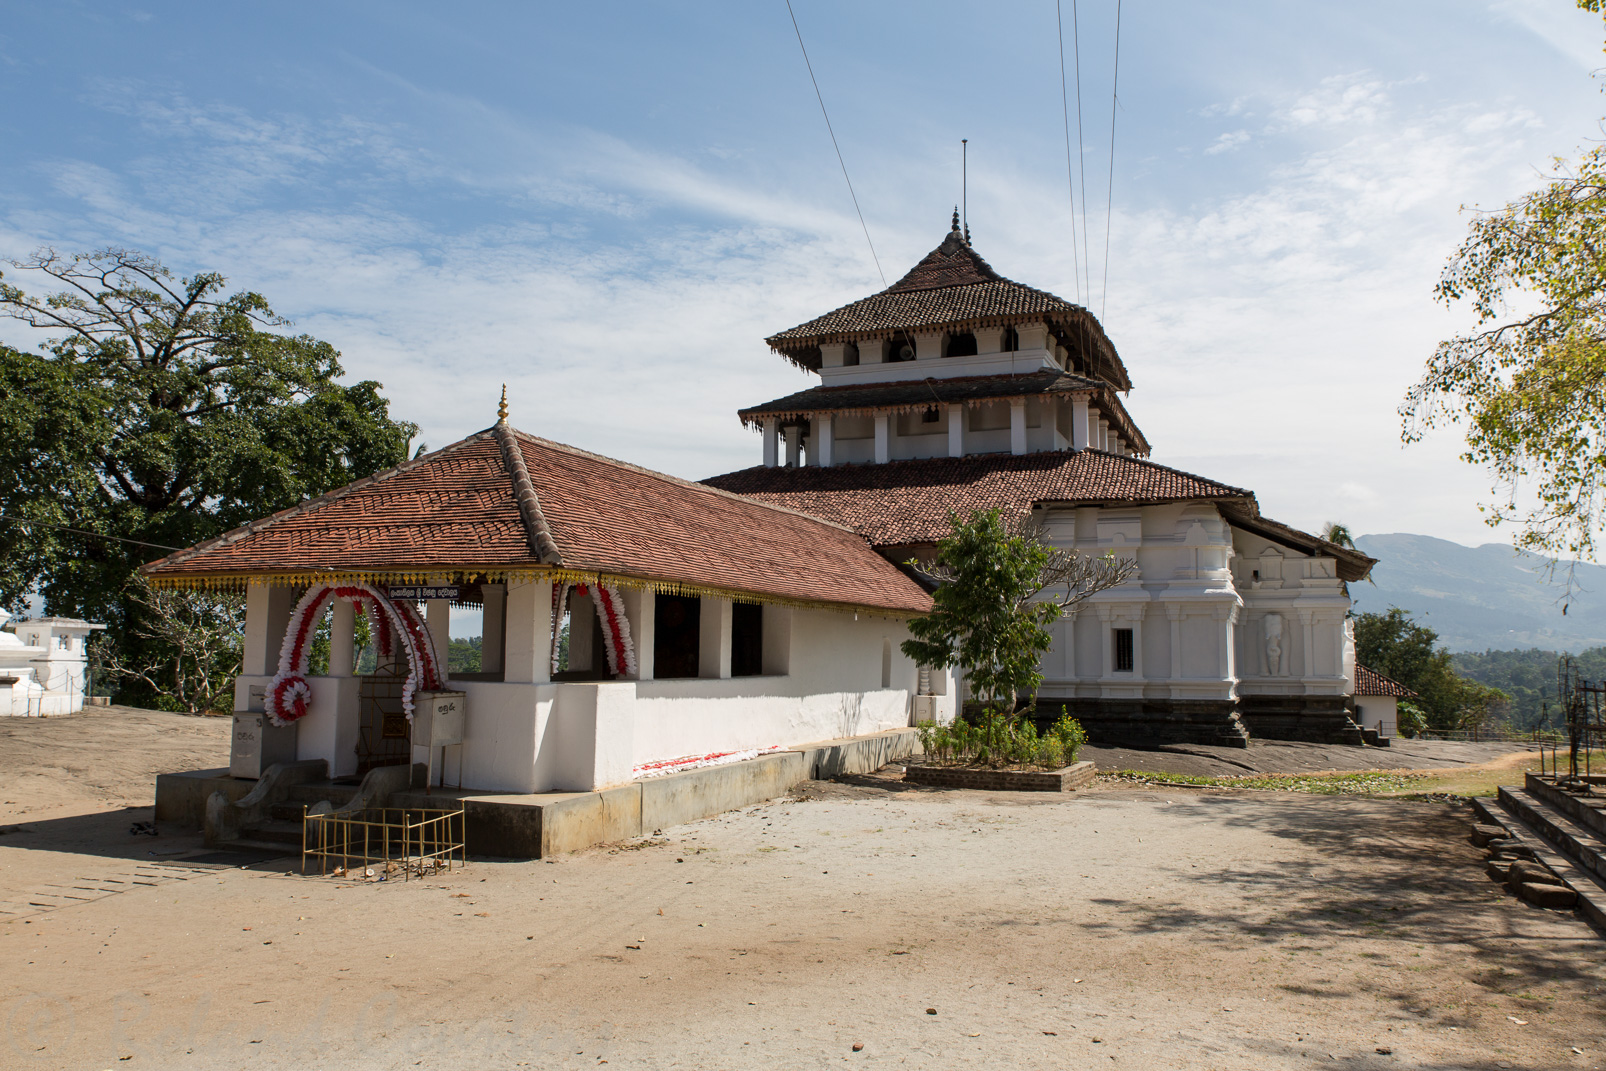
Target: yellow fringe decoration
(240, 581)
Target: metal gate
(383, 736)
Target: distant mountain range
(1492, 597)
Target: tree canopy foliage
(1528, 382)
(1397, 647)
(161, 411)
(999, 587)
(1529, 678)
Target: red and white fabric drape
(289, 692)
(616, 640)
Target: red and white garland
(289, 692)
(615, 625)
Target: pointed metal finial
(956, 219)
(501, 410)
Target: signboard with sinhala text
(421, 592)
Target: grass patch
(1362, 783)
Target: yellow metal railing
(381, 841)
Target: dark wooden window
(1123, 650)
(962, 344)
(1010, 341)
(747, 640)
(930, 416)
(850, 353)
(676, 635)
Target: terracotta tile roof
(953, 288)
(1371, 682)
(922, 393)
(904, 503)
(455, 511)
(908, 502)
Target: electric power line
(1070, 175)
(87, 532)
(1081, 155)
(820, 97)
(1109, 191)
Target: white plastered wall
(1181, 605)
(1299, 599)
(828, 674)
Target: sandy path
(1292, 757)
(1145, 929)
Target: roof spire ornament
(956, 219)
(501, 409)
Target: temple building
(956, 389)
(703, 627)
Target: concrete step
(287, 812)
(282, 834)
(1588, 811)
(1591, 892)
(338, 795)
(1580, 845)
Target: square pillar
(529, 633)
(794, 444)
(772, 443)
(342, 638)
(641, 607)
(1032, 336)
(831, 354)
(1017, 425)
(582, 620)
(1104, 434)
(956, 431)
(928, 347)
(1079, 417)
(883, 438)
(714, 638)
(495, 596)
(267, 618)
(989, 339)
(438, 616)
(824, 439)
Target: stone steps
(1532, 824)
(1581, 845)
(1588, 811)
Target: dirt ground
(1147, 928)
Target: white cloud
(1228, 142)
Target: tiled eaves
(919, 395)
(311, 505)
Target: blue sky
(609, 206)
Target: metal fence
(380, 842)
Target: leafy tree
(1529, 381)
(162, 411)
(1529, 677)
(1398, 647)
(991, 613)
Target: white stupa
(43, 665)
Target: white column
(529, 633)
(495, 596)
(1104, 434)
(989, 339)
(1017, 425)
(439, 619)
(772, 443)
(831, 354)
(824, 439)
(641, 607)
(342, 638)
(956, 431)
(267, 617)
(714, 638)
(883, 438)
(928, 346)
(794, 443)
(1079, 418)
(1175, 613)
(1309, 630)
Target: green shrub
(1004, 742)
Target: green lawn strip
(1364, 782)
